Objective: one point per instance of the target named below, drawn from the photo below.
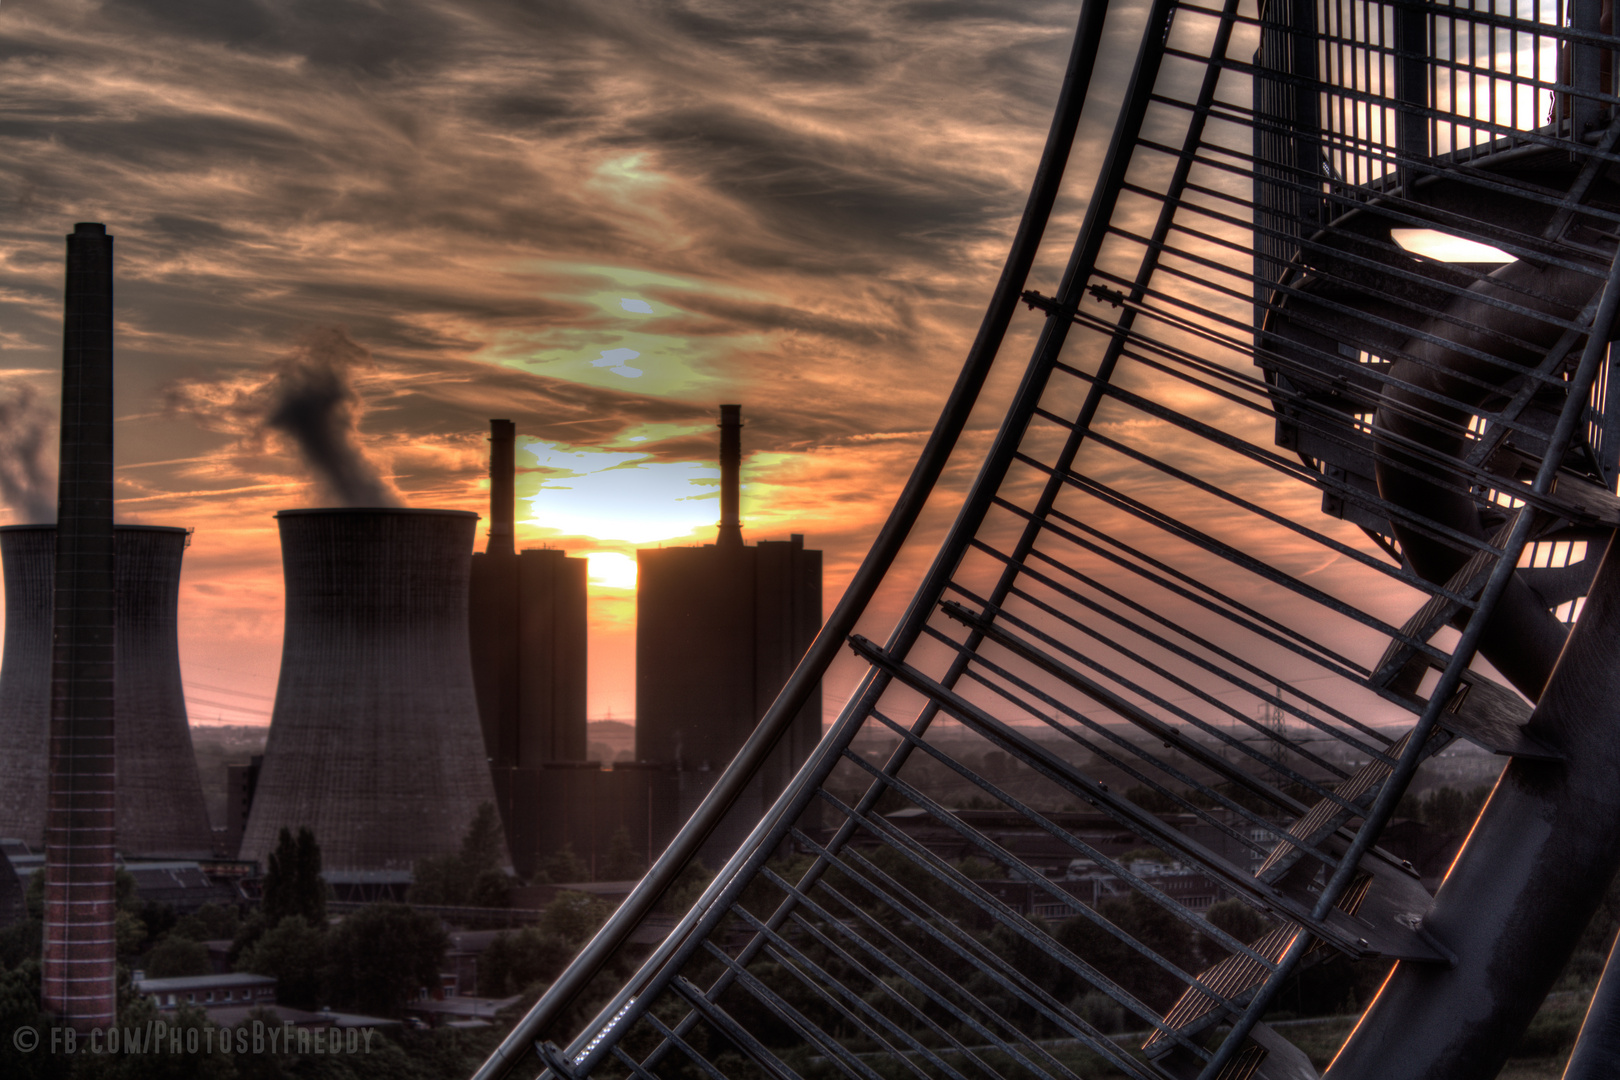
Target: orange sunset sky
(597, 218)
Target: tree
(129, 933)
(473, 876)
(292, 880)
(689, 885)
(139, 1015)
(211, 922)
(573, 916)
(293, 952)
(491, 889)
(380, 956)
(175, 957)
(19, 1008)
(563, 865)
(483, 848)
(21, 942)
(622, 863)
(515, 961)
(436, 879)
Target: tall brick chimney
(80, 945)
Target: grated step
(1266, 1055)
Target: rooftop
(201, 982)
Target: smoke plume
(27, 476)
(312, 399)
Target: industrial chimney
(374, 741)
(502, 487)
(730, 476)
(80, 904)
(160, 806)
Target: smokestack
(730, 468)
(374, 742)
(80, 905)
(502, 487)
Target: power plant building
(719, 629)
(375, 742)
(526, 627)
(527, 631)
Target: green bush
(177, 957)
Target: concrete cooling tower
(375, 741)
(159, 808)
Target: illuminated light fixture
(1443, 247)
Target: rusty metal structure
(1310, 474)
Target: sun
(611, 570)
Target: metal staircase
(1289, 497)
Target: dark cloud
(170, 140)
(374, 39)
(821, 193)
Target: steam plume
(27, 483)
(313, 401)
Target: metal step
(1266, 1055)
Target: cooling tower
(28, 555)
(374, 742)
(159, 808)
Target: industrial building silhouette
(526, 628)
(719, 629)
(420, 679)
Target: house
(206, 991)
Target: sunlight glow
(622, 495)
(611, 570)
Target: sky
(598, 219)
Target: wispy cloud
(796, 206)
